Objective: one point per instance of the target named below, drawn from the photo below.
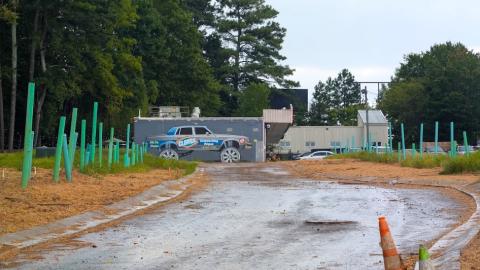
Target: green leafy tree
(253, 100)
(440, 84)
(174, 68)
(336, 101)
(254, 41)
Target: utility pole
(366, 112)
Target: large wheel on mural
(230, 155)
(168, 153)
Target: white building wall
(304, 139)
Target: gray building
(261, 131)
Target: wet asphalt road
(259, 217)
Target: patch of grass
(427, 161)
(365, 156)
(15, 160)
(462, 164)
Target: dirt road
(260, 217)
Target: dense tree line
(441, 84)
(127, 54)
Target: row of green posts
(401, 148)
(66, 147)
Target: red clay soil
(44, 201)
(378, 173)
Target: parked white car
(316, 155)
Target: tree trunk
(13, 99)
(236, 83)
(43, 89)
(33, 48)
(2, 122)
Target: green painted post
(117, 152)
(100, 144)
(465, 143)
(66, 157)
(138, 153)
(82, 144)
(126, 160)
(30, 161)
(414, 151)
(390, 138)
(133, 154)
(87, 155)
(404, 151)
(142, 148)
(452, 138)
(73, 127)
(94, 132)
(436, 137)
(399, 151)
(58, 151)
(27, 145)
(110, 150)
(75, 139)
(421, 141)
(353, 141)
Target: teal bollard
(110, 149)
(66, 157)
(413, 150)
(133, 154)
(436, 137)
(94, 132)
(127, 148)
(399, 152)
(27, 143)
(30, 160)
(465, 143)
(420, 149)
(100, 144)
(58, 151)
(82, 144)
(73, 126)
(404, 151)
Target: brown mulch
(44, 201)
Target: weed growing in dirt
(461, 164)
(365, 156)
(427, 161)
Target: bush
(461, 164)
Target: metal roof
(374, 117)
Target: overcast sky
(369, 37)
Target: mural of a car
(183, 140)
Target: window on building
(310, 144)
(186, 131)
(335, 144)
(285, 144)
